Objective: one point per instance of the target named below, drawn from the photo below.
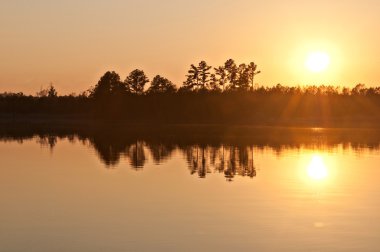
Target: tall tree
(192, 80)
(204, 75)
(198, 78)
(232, 73)
(52, 92)
(108, 85)
(136, 81)
(233, 77)
(220, 77)
(161, 85)
(252, 72)
(243, 81)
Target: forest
(225, 94)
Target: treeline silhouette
(209, 149)
(225, 94)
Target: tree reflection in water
(229, 160)
(204, 152)
(111, 149)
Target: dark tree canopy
(50, 92)
(198, 78)
(225, 94)
(192, 80)
(232, 73)
(233, 77)
(136, 81)
(201, 77)
(108, 85)
(204, 74)
(161, 85)
(220, 78)
(252, 72)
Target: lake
(260, 190)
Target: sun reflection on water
(317, 169)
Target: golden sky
(73, 42)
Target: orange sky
(72, 43)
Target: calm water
(76, 193)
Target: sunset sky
(72, 43)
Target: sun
(317, 62)
(317, 169)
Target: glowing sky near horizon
(72, 43)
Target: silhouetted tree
(346, 91)
(359, 89)
(220, 78)
(243, 79)
(204, 75)
(161, 85)
(136, 81)
(243, 76)
(233, 77)
(192, 81)
(47, 92)
(52, 92)
(232, 73)
(316, 106)
(108, 85)
(252, 72)
(198, 78)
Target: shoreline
(72, 120)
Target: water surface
(70, 192)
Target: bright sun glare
(317, 169)
(317, 61)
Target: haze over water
(90, 195)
